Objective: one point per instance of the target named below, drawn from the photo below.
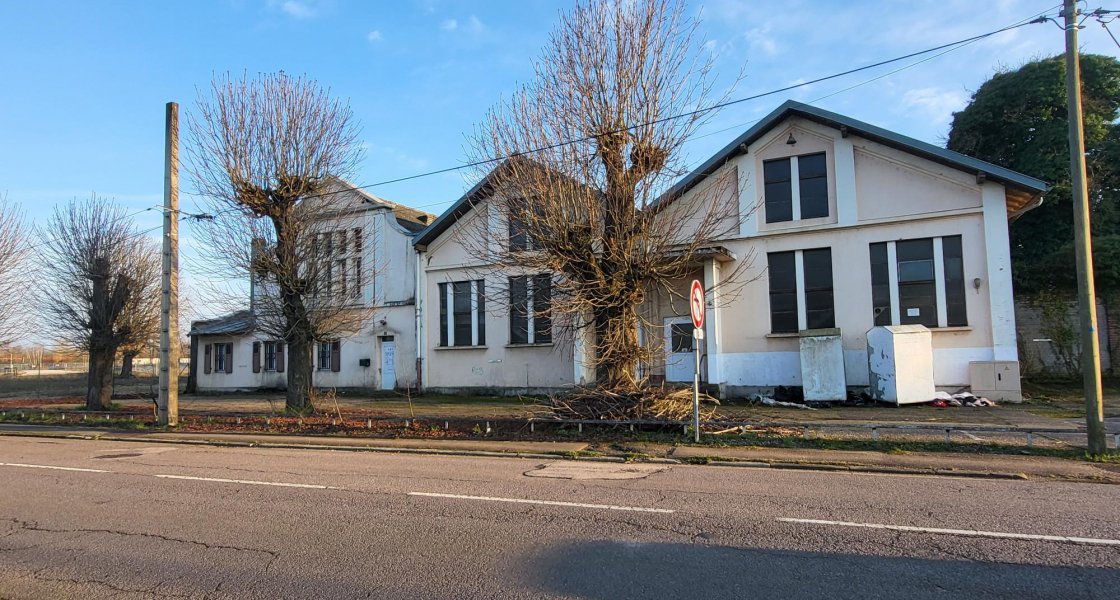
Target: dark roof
(460, 207)
(231, 324)
(865, 130)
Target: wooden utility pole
(169, 305)
(1086, 290)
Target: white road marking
(545, 502)
(52, 467)
(965, 532)
(247, 482)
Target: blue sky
(85, 82)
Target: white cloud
(374, 36)
(474, 25)
(297, 9)
(936, 103)
(449, 25)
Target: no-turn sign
(696, 302)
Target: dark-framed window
(811, 189)
(680, 338)
(324, 356)
(530, 309)
(916, 279)
(783, 292)
(809, 290)
(270, 356)
(462, 312)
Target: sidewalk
(945, 464)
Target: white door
(679, 360)
(388, 363)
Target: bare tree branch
(610, 75)
(13, 270)
(263, 152)
(100, 286)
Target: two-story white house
(368, 254)
(849, 226)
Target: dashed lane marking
(544, 502)
(964, 532)
(247, 482)
(52, 467)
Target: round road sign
(696, 302)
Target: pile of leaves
(643, 403)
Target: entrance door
(679, 361)
(388, 363)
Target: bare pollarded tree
(13, 274)
(99, 286)
(267, 153)
(596, 142)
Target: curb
(782, 465)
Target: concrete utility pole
(1086, 290)
(169, 304)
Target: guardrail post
(805, 433)
(948, 435)
(1030, 439)
(874, 433)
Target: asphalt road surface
(98, 519)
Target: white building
(374, 264)
(851, 226)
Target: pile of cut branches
(643, 403)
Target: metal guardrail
(484, 424)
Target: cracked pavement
(232, 530)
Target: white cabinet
(900, 364)
(822, 365)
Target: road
(98, 519)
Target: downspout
(421, 346)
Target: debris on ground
(644, 403)
(760, 399)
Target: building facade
(368, 255)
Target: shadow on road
(618, 570)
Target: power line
(1038, 19)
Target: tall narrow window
(443, 314)
(813, 176)
(778, 191)
(270, 356)
(956, 311)
(917, 283)
(880, 284)
(530, 306)
(783, 292)
(325, 356)
(819, 311)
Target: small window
(325, 356)
(680, 337)
(270, 356)
(221, 357)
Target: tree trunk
(126, 364)
(616, 347)
(99, 392)
(298, 395)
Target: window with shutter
(256, 357)
(208, 359)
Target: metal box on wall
(822, 365)
(900, 364)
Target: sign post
(696, 304)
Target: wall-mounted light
(976, 284)
(792, 140)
